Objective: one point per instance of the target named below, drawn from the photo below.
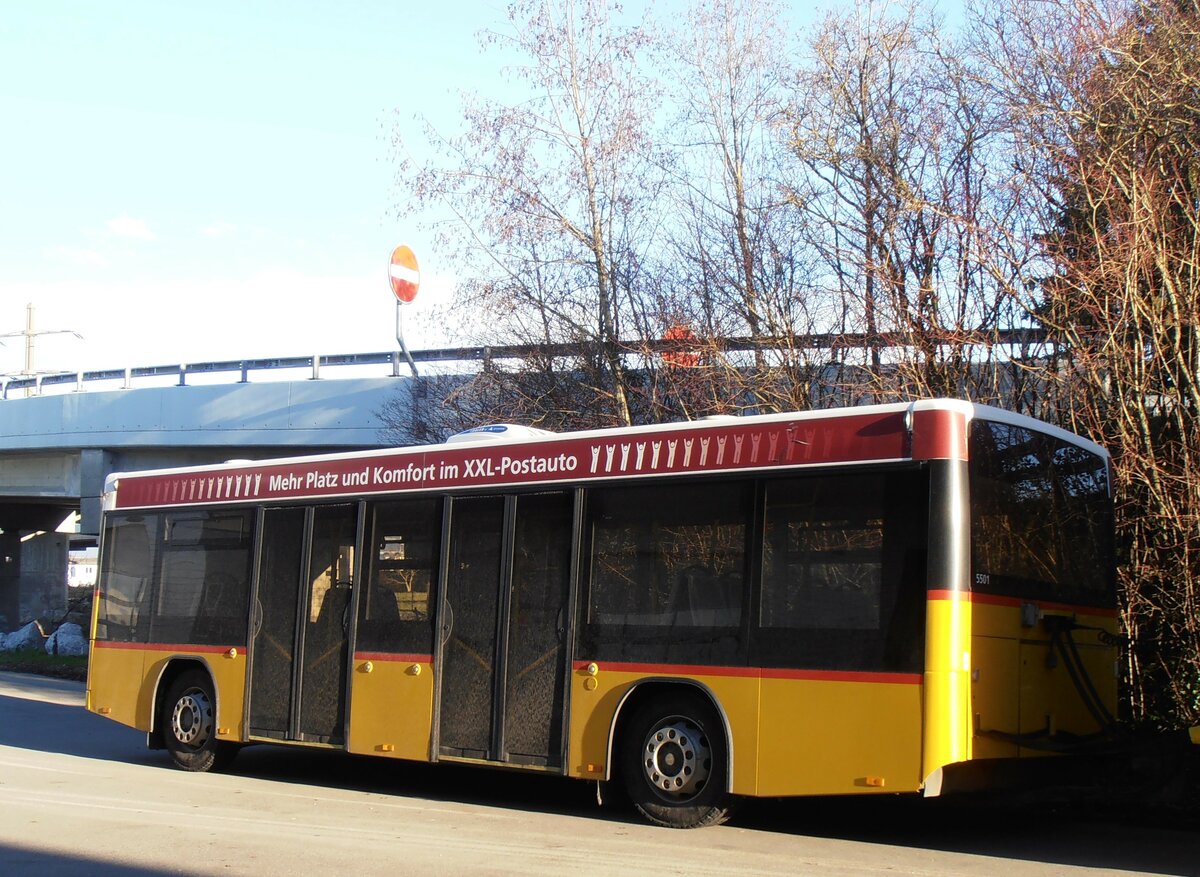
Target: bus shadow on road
(1046, 828)
(28, 860)
(68, 730)
(64, 729)
(1026, 828)
(449, 783)
(1056, 832)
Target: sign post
(405, 277)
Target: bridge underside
(26, 515)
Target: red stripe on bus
(166, 647)
(938, 434)
(756, 672)
(948, 595)
(1016, 602)
(843, 676)
(746, 446)
(677, 669)
(399, 657)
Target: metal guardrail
(242, 367)
(35, 384)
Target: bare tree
(551, 194)
(886, 125)
(1102, 101)
(736, 256)
(852, 132)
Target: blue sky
(183, 183)
(192, 182)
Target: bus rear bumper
(1004, 774)
(1139, 761)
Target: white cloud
(128, 227)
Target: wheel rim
(192, 719)
(676, 758)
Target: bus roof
(514, 456)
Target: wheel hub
(192, 719)
(677, 759)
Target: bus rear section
(1043, 594)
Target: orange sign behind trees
(683, 351)
(404, 274)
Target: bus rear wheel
(673, 762)
(188, 721)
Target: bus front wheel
(188, 722)
(673, 762)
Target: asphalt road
(81, 795)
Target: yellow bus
(867, 600)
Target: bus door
(300, 624)
(504, 628)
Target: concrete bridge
(56, 449)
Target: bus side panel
(229, 674)
(739, 697)
(834, 738)
(594, 702)
(116, 687)
(947, 708)
(994, 681)
(391, 706)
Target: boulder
(28, 639)
(67, 640)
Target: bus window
(202, 595)
(125, 578)
(668, 570)
(1041, 517)
(396, 612)
(843, 582)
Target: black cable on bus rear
(1060, 628)
(1062, 643)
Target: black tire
(673, 762)
(189, 724)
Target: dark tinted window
(541, 571)
(1041, 517)
(280, 566)
(468, 657)
(202, 591)
(126, 575)
(396, 609)
(668, 572)
(843, 581)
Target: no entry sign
(404, 274)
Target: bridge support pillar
(94, 466)
(33, 578)
(10, 580)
